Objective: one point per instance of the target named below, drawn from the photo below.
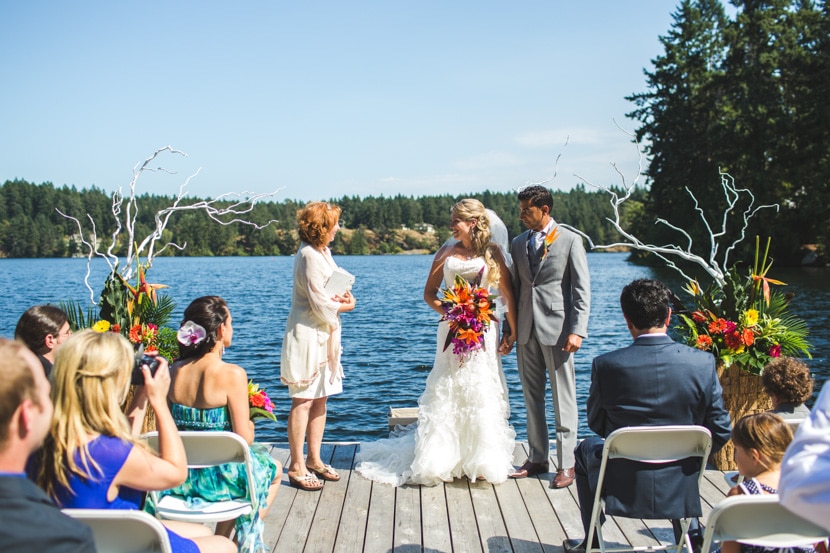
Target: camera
(152, 362)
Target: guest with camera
(90, 459)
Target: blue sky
(324, 99)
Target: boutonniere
(550, 238)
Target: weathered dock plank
(357, 515)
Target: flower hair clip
(191, 334)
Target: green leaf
(257, 413)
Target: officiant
(310, 361)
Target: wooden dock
(355, 514)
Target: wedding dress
(462, 427)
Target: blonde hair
(473, 210)
(89, 382)
(315, 220)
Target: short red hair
(314, 222)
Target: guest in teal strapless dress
(209, 394)
(90, 459)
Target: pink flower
(775, 351)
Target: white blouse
(312, 335)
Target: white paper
(339, 282)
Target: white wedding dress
(462, 427)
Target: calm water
(389, 339)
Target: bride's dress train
(462, 427)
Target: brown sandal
(326, 472)
(308, 482)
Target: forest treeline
(744, 95)
(31, 224)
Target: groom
(553, 296)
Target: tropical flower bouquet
(259, 403)
(469, 309)
(137, 312)
(745, 321)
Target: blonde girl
(91, 459)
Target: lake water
(389, 339)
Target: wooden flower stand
(743, 394)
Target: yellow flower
(693, 288)
(101, 326)
(750, 317)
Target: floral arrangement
(137, 312)
(550, 238)
(259, 403)
(744, 321)
(469, 309)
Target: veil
(498, 236)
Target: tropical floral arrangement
(137, 312)
(468, 309)
(259, 403)
(744, 321)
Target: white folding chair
(650, 444)
(206, 449)
(123, 531)
(759, 520)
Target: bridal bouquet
(259, 403)
(745, 321)
(469, 309)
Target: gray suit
(551, 304)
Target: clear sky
(324, 99)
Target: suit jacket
(32, 522)
(557, 299)
(655, 381)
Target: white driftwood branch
(148, 248)
(713, 265)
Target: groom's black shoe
(530, 469)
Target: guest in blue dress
(210, 394)
(90, 460)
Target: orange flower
(748, 336)
(718, 326)
(699, 317)
(733, 340)
(704, 341)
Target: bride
(462, 427)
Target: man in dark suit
(654, 381)
(553, 298)
(31, 521)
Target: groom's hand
(573, 344)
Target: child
(760, 442)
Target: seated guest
(652, 382)
(760, 441)
(788, 383)
(90, 459)
(210, 394)
(31, 521)
(43, 328)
